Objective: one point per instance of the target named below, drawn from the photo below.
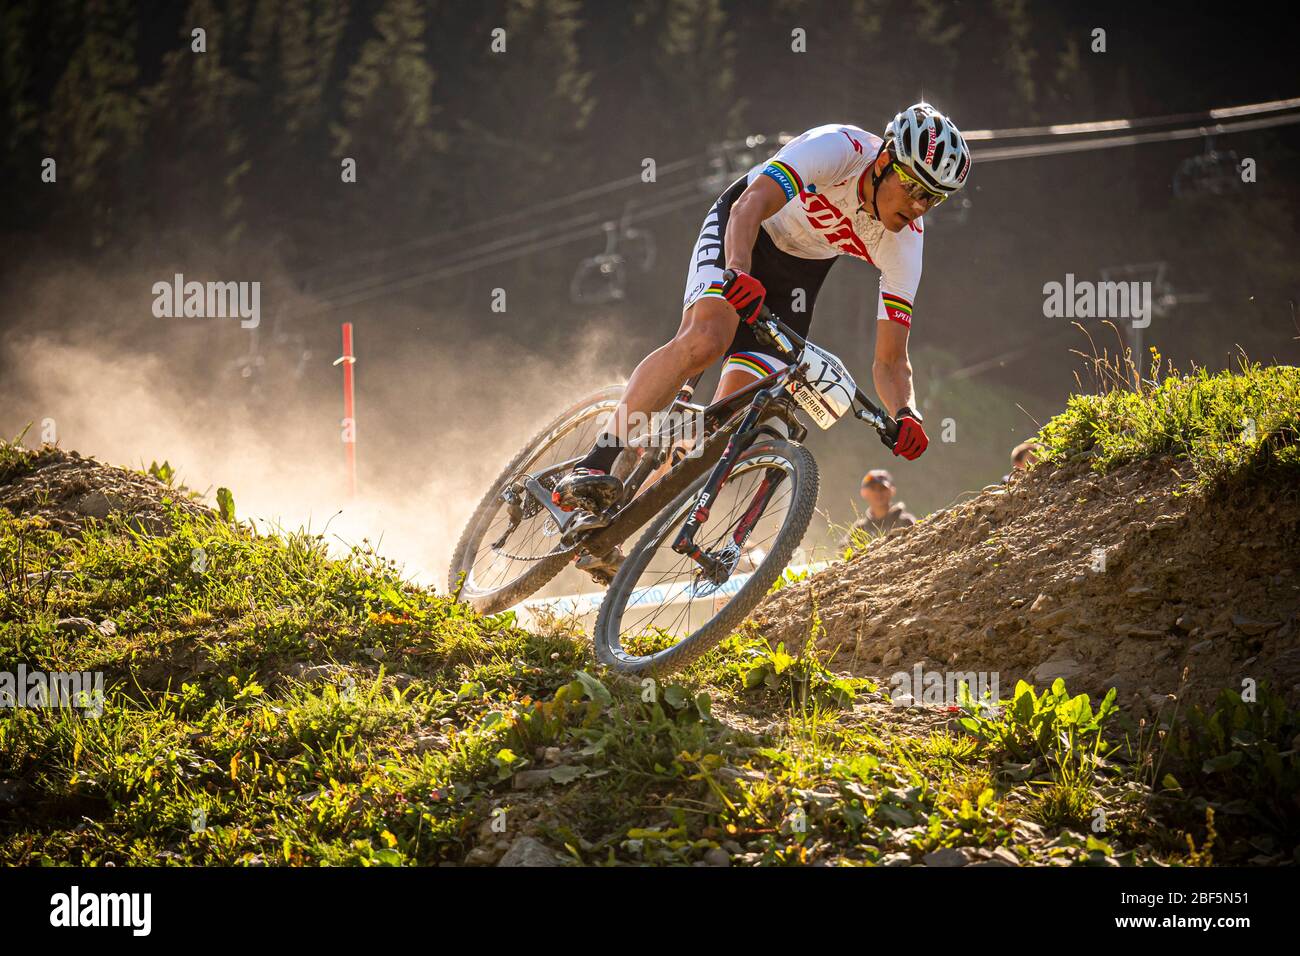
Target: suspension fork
(766, 488)
(739, 441)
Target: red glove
(745, 293)
(912, 440)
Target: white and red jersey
(825, 174)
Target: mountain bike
(724, 493)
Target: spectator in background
(1022, 456)
(883, 515)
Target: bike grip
(889, 434)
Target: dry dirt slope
(1120, 580)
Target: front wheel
(662, 611)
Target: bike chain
(530, 510)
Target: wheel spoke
(536, 536)
(681, 614)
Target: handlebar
(769, 328)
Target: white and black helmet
(930, 146)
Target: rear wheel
(495, 564)
(662, 611)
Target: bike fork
(685, 543)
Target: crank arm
(561, 517)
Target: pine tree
(94, 120)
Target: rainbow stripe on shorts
(751, 362)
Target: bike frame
(760, 400)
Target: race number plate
(829, 389)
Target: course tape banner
(581, 605)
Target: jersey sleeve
(899, 261)
(819, 157)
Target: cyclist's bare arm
(892, 370)
(762, 198)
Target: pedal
(585, 521)
(602, 568)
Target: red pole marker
(347, 360)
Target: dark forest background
(480, 170)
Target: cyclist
(834, 190)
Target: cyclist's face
(897, 207)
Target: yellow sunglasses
(915, 190)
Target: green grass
(270, 704)
(1225, 424)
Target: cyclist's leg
(708, 324)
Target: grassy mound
(264, 703)
(1224, 424)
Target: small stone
(76, 626)
(717, 856)
(482, 856)
(892, 657)
(1006, 855)
(1040, 603)
(526, 851)
(312, 672)
(1030, 827)
(1059, 616)
(1251, 627)
(896, 859)
(531, 779)
(1122, 684)
(427, 743)
(107, 628)
(95, 505)
(1064, 668)
(1200, 648)
(948, 856)
(1133, 630)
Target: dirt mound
(67, 489)
(1120, 580)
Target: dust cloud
(87, 365)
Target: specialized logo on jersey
(897, 308)
(835, 227)
(785, 177)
